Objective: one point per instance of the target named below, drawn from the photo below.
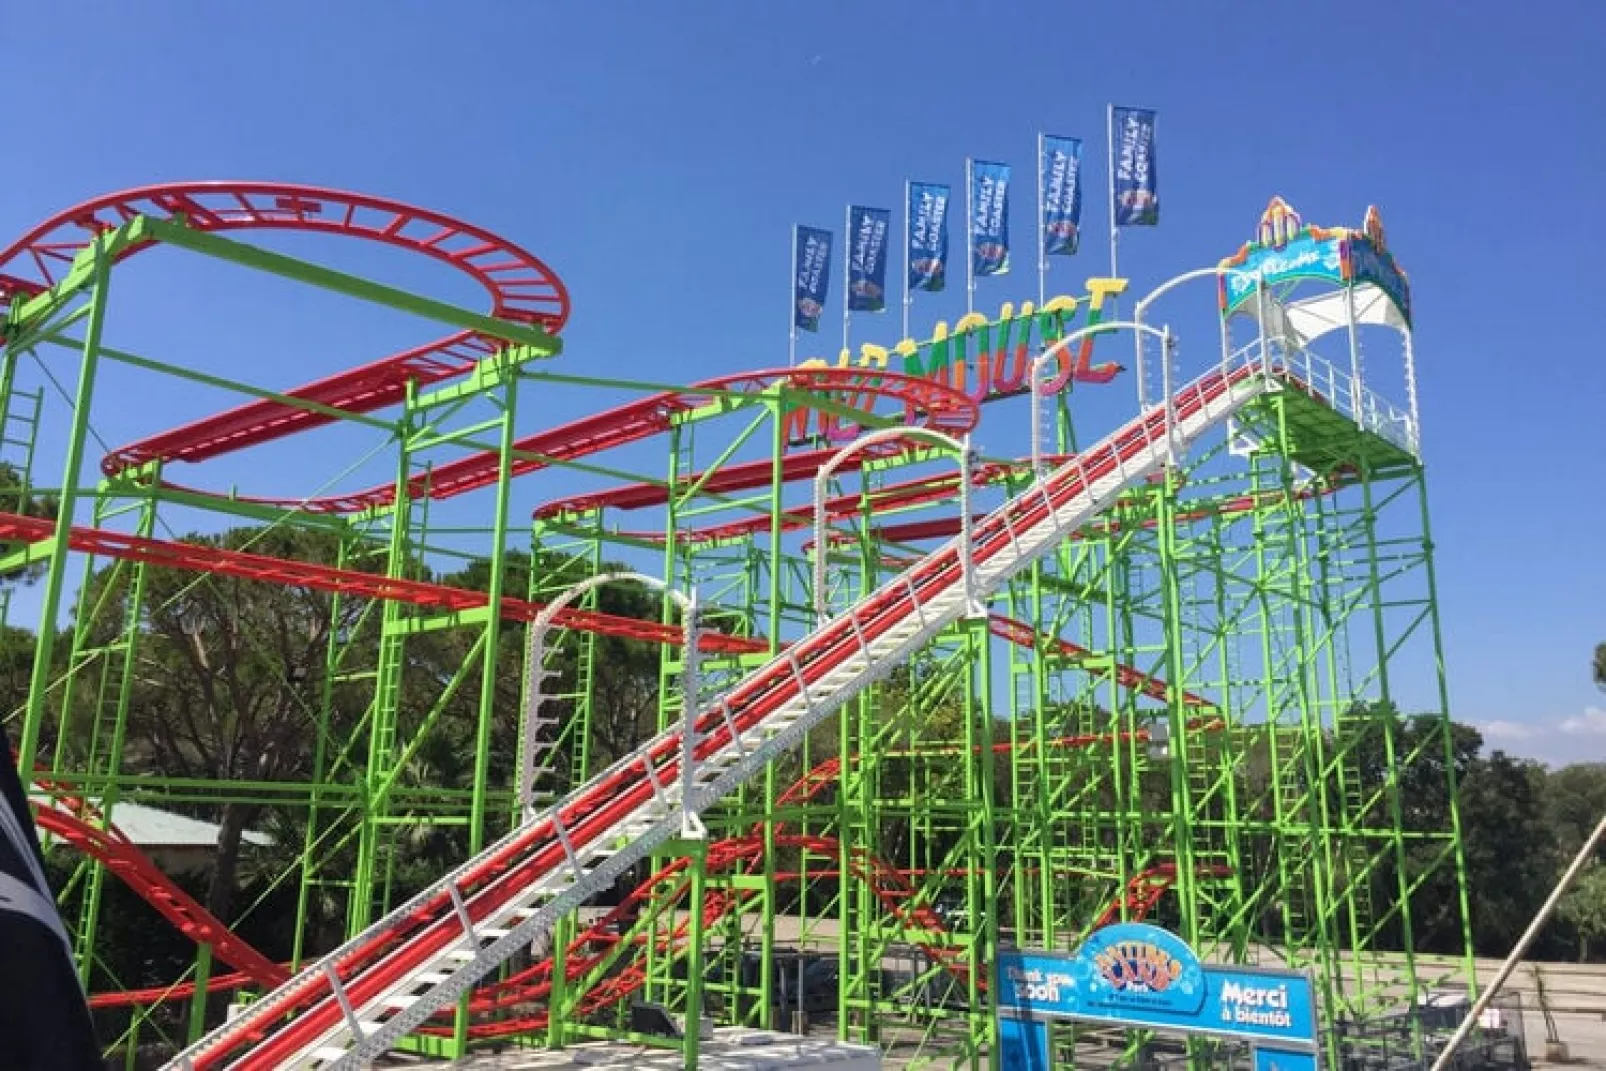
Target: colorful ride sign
(1136, 975)
(1286, 250)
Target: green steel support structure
(1195, 727)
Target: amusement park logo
(808, 311)
(930, 271)
(1137, 965)
(1062, 229)
(993, 253)
(868, 292)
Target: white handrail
(1053, 352)
(822, 607)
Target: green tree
(1508, 837)
(228, 679)
(1424, 762)
(1575, 798)
(1510, 848)
(1600, 665)
(1584, 908)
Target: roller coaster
(1150, 677)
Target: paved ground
(1585, 1036)
(1576, 994)
(726, 1050)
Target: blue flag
(989, 218)
(928, 235)
(867, 258)
(811, 276)
(1137, 179)
(1062, 195)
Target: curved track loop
(521, 288)
(1146, 888)
(72, 819)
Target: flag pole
(970, 254)
(847, 275)
(1115, 231)
(908, 295)
(1042, 221)
(791, 306)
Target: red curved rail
(1146, 888)
(936, 488)
(521, 287)
(117, 854)
(172, 554)
(1023, 635)
(922, 402)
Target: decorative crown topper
(1373, 227)
(1278, 224)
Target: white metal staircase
(360, 999)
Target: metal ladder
(360, 999)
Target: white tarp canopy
(1303, 321)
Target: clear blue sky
(656, 155)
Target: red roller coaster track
(522, 290)
(175, 555)
(71, 818)
(922, 403)
(74, 821)
(392, 951)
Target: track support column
(50, 608)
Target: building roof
(151, 827)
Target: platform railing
(1370, 410)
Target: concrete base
(735, 1049)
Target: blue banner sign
(1304, 257)
(989, 218)
(867, 258)
(811, 276)
(1283, 1060)
(1137, 175)
(1366, 262)
(1136, 975)
(1062, 195)
(928, 235)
